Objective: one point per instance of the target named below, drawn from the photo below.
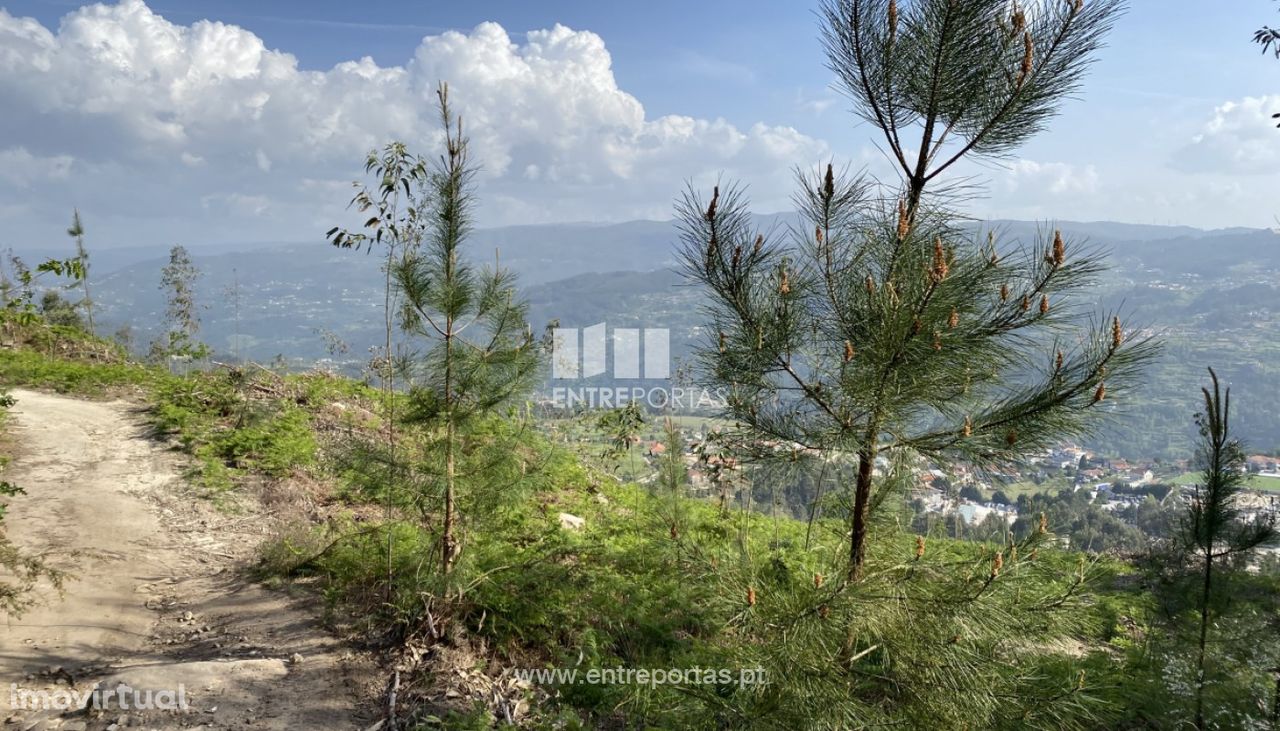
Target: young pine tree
(232, 293)
(882, 325)
(182, 314)
(482, 353)
(76, 231)
(673, 476)
(1214, 531)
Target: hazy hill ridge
(1213, 293)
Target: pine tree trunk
(1204, 635)
(861, 513)
(84, 279)
(88, 305)
(858, 535)
(448, 544)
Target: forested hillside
(1213, 296)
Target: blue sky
(1171, 126)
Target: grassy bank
(563, 565)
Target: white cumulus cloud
(1240, 138)
(204, 121)
(1056, 178)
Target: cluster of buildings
(1111, 484)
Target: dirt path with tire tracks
(159, 601)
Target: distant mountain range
(1212, 293)
(549, 252)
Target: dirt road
(160, 600)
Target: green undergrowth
(651, 580)
(937, 634)
(234, 421)
(656, 582)
(237, 423)
(91, 378)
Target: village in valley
(973, 502)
